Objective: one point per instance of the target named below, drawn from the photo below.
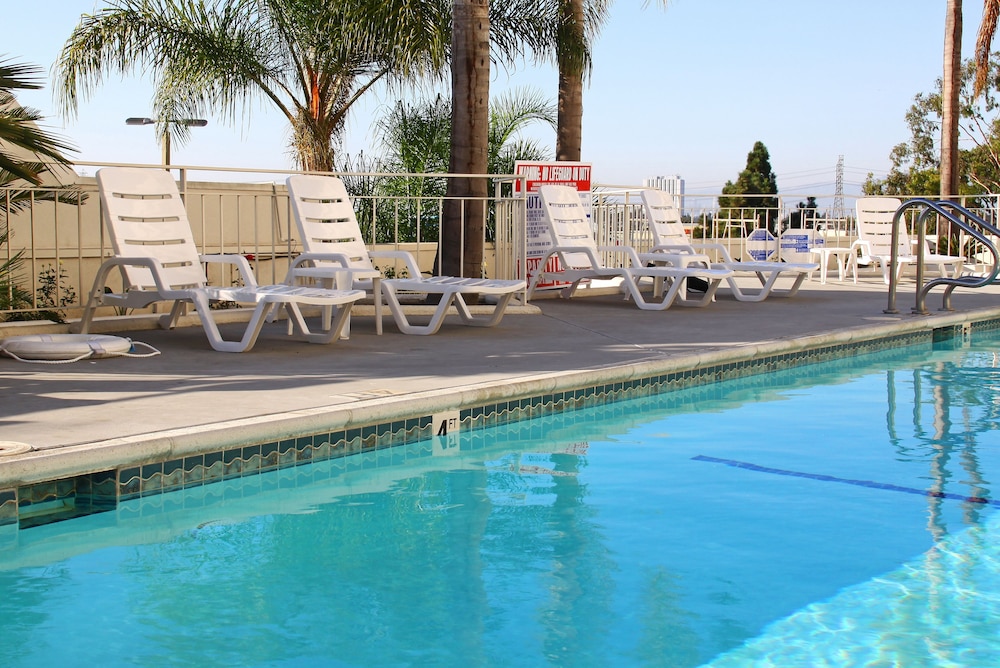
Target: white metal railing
(618, 218)
(56, 240)
(55, 247)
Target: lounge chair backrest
(568, 224)
(146, 218)
(874, 221)
(663, 219)
(326, 220)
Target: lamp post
(188, 122)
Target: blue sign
(795, 245)
(761, 245)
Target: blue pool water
(835, 514)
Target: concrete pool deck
(90, 415)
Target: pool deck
(103, 411)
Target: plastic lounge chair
(573, 243)
(874, 243)
(155, 251)
(672, 246)
(332, 240)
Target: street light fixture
(187, 122)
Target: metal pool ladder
(975, 226)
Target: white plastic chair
(155, 252)
(573, 243)
(332, 241)
(671, 245)
(874, 243)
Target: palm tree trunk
(951, 84)
(571, 55)
(463, 220)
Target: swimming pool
(839, 512)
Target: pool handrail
(959, 216)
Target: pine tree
(754, 190)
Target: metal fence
(784, 232)
(55, 240)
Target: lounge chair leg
(404, 324)
(570, 290)
(487, 321)
(706, 299)
(643, 303)
(169, 321)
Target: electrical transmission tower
(838, 195)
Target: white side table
(841, 253)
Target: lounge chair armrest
(716, 246)
(862, 249)
(680, 249)
(633, 256)
(310, 259)
(152, 264)
(241, 263)
(586, 250)
(405, 256)
(334, 263)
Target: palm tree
(951, 85)
(27, 154)
(984, 43)
(23, 146)
(416, 136)
(509, 115)
(464, 217)
(575, 25)
(573, 35)
(416, 139)
(309, 59)
(478, 30)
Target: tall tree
(28, 154)
(416, 137)
(573, 59)
(25, 149)
(464, 222)
(915, 163)
(575, 26)
(755, 190)
(984, 43)
(309, 59)
(508, 27)
(951, 85)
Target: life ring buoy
(14, 448)
(55, 348)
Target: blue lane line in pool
(847, 481)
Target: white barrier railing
(55, 240)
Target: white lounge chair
(332, 240)
(573, 243)
(155, 251)
(874, 243)
(672, 246)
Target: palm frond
(984, 44)
(23, 145)
(309, 59)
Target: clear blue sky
(683, 90)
